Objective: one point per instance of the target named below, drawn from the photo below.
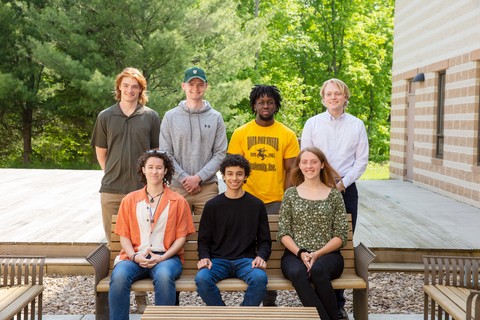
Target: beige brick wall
(447, 37)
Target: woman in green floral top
(313, 227)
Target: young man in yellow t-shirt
(271, 149)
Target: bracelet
(299, 253)
(133, 256)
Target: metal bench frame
(444, 276)
(25, 273)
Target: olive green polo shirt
(126, 139)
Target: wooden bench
(231, 313)
(453, 284)
(21, 285)
(355, 274)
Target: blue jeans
(126, 272)
(222, 269)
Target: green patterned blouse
(312, 223)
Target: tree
(311, 41)
(76, 47)
(24, 84)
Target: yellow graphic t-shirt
(265, 148)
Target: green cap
(194, 72)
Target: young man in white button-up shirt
(343, 139)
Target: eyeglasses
(156, 151)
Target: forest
(59, 59)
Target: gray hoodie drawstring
(190, 121)
(200, 128)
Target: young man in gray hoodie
(193, 133)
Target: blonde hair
(341, 85)
(137, 75)
(328, 175)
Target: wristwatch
(299, 253)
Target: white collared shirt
(343, 140)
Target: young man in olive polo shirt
(121, 134)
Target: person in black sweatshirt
(233, 238)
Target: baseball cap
(194, 72)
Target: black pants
(350, 198)
(324, 269)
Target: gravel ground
(390, 293)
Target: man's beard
(265, 118)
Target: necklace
(152, 214)
(153, 198)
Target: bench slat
(11, 294)
(22, 297)
(438, 294)
(186, 282)
(186, 312)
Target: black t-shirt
(234, 228)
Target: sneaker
(342, 314)
(141, 300)
(270, 298)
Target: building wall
(432, 36)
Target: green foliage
(79, 46)
(23, 83)
(59, 59)
(313, 41)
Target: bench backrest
(273, 264)
(452, 271)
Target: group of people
(158, 173)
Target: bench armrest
(363, 258)
(477, 305)
(100, 260)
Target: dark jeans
(325, 269)
(350, 198)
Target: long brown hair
(137, 75)
(327, 175)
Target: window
(440, 114)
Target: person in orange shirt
(153, 224)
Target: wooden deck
(50, 212)
(57, 213)
(399, 235)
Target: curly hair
(328, 175)
(260, 90)
(167, 162)
(235, 160)
(137, 75)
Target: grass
(40, 165)
(376, 171)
